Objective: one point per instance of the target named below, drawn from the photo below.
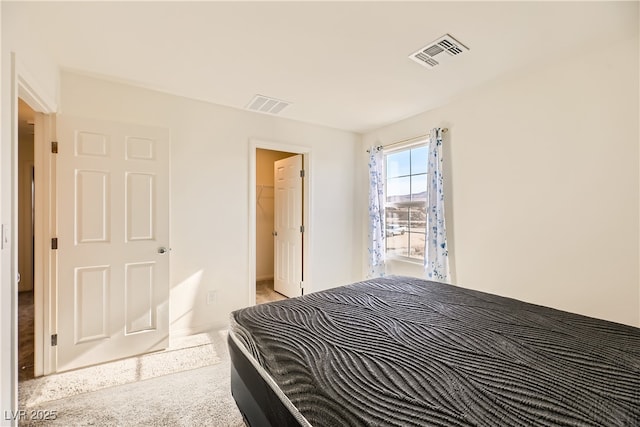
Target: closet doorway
(265, 223)
(264, 243)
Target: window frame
(389, 255)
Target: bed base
(257, 401)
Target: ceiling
(340, 64)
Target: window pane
(397, 217)
(396, 236)
(417, 219)
(419, 160)
(405, 213)
(419, 188)
(416, 245)
(398, 190)
(398, 164)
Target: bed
(402, 351)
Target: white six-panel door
(288, 222)
(113, 237)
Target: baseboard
(198, 329)
(261, 278)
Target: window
(405, 198)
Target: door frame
(45, 220)
(44, 285)
(307, 217)
(24, 86)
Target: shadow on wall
(187, 308)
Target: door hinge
(54, 243)
(302, 228)
(301, 285)
(54, 340)
(54, 147)
(301, 173)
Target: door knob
(162, 250)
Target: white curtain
(376, 213)
(436, 260)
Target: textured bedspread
(403, 351)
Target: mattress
(403, 351)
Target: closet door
(288, 226)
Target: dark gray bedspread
(403, 351)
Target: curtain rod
(404, 141)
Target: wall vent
(266, 104)
(439, 51)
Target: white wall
(542, 183)
(210, 192)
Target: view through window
(405, 211)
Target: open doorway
(265, 217)
(22, 88)
(26, 241)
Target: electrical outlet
(212, 296)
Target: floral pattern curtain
(376, 213)
(436, 260)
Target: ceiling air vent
(266, 104)
(439, 51)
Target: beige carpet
(199, 397)
(185, 385)
(190, 396)
(265, 292)
(183, 354)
